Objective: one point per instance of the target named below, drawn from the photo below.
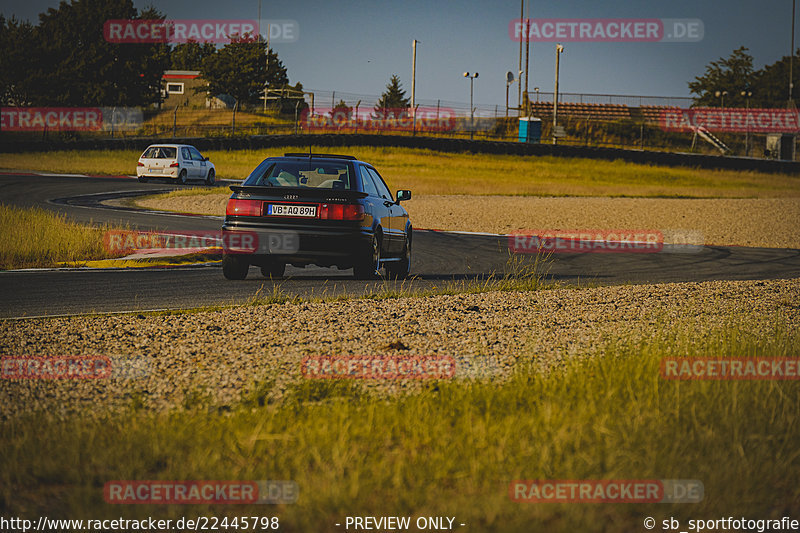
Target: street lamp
(471, 110)
(536, 90)
(559, 49)
(721, 95)
(747, 95)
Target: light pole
(519, 87)
(791, 61)
(747, 95)
(559, 49)
(509, 81)
(471, 109)
(266, 81)
(721, 95)
(414, 81)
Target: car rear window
(159, 152)
(317, 174)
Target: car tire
(142, 179)
(401, 269)
(234, 267)
(210, 177)
(366, 266)
(273, 269)
(182, 177)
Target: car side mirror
(403, 195)
(205, 159)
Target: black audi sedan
(316, 209)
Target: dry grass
(429, 172)
(452, 449)
(38, 238)
(214, 117)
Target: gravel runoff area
(222, 356)
(762, 222)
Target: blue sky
(355, 47)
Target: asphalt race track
(437, 258)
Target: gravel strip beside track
(221, 356)
(759, 222)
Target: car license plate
(292, 210)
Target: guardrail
(257, 142)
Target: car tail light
(175, 164)
(341, 212)
(245, 208)
(139, 164)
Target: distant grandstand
(651, 113)
(600, 112)
(606, 107)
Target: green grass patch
(33, 237)
(451, 450)
(430, 172)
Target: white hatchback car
(175, 161)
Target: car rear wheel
(210, 177)
(366, 267)
(234, 267)
(401, 269)
(182, 177)
(142, 179)
(273, 269)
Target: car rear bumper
(307, 244)
(143, 173)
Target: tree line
(734, 82)
(66, 61)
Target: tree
(190, 55)
(71, 64)
(394, 97)
(734, 75)
(15, 61)
(343, 108)
(240, 70)
(771, 85)
(295, 100)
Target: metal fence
(325, 98)
(489, 122)
(613, 99)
